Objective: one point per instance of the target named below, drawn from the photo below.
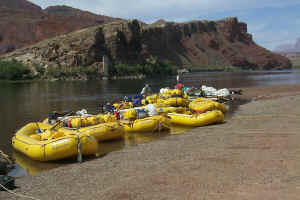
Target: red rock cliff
(197, 43)
(23, 23)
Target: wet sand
(254, 155)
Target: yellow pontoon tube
(52, 144)
(202, 105)
(148, 124)
(102, 126)
(210, 117)
(102, 132)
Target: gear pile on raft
(69, 134)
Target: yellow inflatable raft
(123, 105)
(102, 126)
(176, 101)
(102, 132)
(148, 124)
(52, 144)
(172, 92)
(202, 105)
(164, 110)
(196, 120)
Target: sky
(271, 22)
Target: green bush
(124, 70)
(214, 69)
(39, 68)
(13, 70)
(55, 72)
(91, 70)
(151, 67)
(59, 72)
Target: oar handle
(63, 118)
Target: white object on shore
(163, 90)
(211, 91)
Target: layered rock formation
(23, 23)
(196, 43)
(20, 5)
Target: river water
(21, 103)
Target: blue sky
(271, 22)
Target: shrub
(55, 72)
(91, 70)
(59, 72)
(124, 70)
(39, 68)
(151, 67)
(13, 70)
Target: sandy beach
(254, 155)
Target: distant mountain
(24, 23)
(198, 44)
(288, 48)
(20, 5)
(66, 11)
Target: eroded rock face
(197, 43)
(23, 23)
(20, 5)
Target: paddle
(47, 133)
(62, 119)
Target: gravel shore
(254, 155)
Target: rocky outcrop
(196, 43)
(23, 23)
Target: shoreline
(251, 156)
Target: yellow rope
(16, 194)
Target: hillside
(192, 44)
(23, 23)
(20, 5)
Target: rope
(79, 149)
(79, 145)
(18, 195)
(159, 126)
